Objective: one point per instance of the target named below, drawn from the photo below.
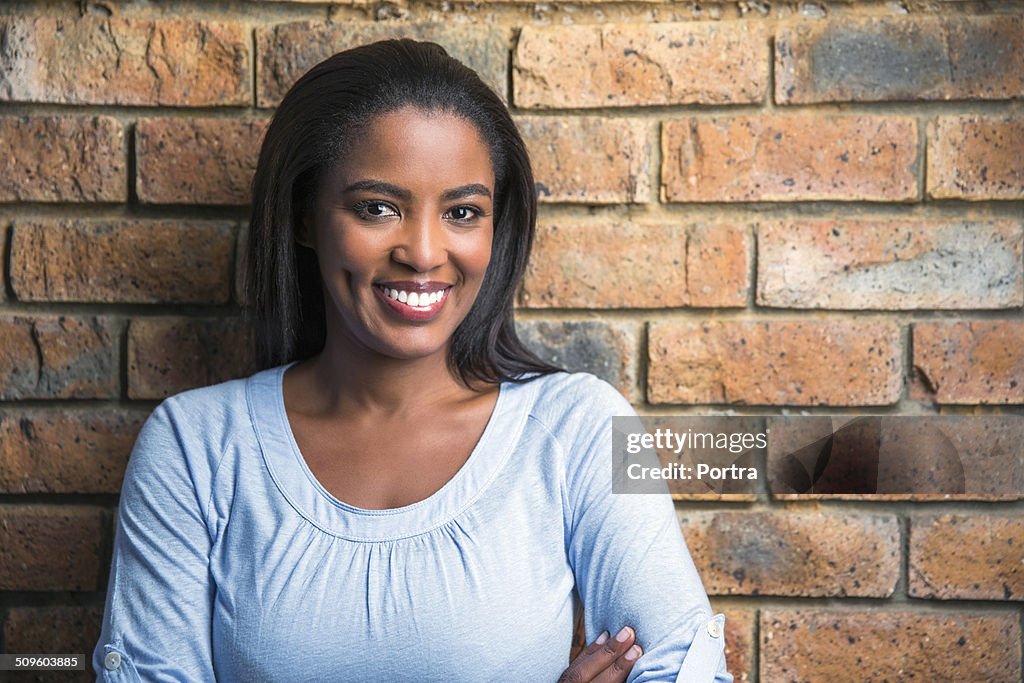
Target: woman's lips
(414, 301)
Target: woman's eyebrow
(390, 190)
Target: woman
(406, 493)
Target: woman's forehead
(416, 149)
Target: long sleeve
(157, 620)
(631, 563)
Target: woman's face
(402, 230)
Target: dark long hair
(313, 127)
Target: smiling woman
(404, 492)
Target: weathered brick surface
(839, 362)
(607, 266)
(979, 361)
(819, 645)
(904, 457)
(638, 266)
(50, 548)
(169, 355)
(591, 160)
(976, 157)
(717, 262)
(875, 59)
(790, 158)
(605, 349)
(5, 228)
(800, 554)
(637, 64)
(49, 356)
(88, 60)
(62, 159)
(890, 264)
(287, 51)
(62, 629)
(196, 161)
(65, 451)
(739, 642)
(139, 261)
(978, 557)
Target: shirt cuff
(705, 660)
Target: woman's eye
(372, 210)
(463, 214)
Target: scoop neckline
(307, 495)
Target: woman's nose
(422, 245)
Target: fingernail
(633, 653)
(602, 638)
(623, 635)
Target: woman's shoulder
(576, 399)
(208, 414)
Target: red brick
(65, 451)
(790, 158)
(50, 356)
(739, 642)
(132, 261)
(88, 60)
(591, 160)
(627, 265)
(918, 457)
(607, 266)
(636, 64)
(57, 629)
(823, 645)
(50, 547)
(62, 159)
(604, 349)
(287, 51)
(979, 361)
(892, 263)
(979, 557)
(839, 363)
(717, 262)
(196, 161)
(170, 355)
(878, 59)
(976, 157)
(798, 554)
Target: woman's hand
(606, 660)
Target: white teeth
(418, 299)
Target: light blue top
(232, 562)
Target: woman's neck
(346, 380)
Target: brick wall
(748, 207)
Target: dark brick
(922, 58)
(50, 548)
(65, 451)
(62, 159)
(170, 355)
(605, 349)
(50, 356)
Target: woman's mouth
(417, 302)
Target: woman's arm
(631, 563)
(157, 621)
